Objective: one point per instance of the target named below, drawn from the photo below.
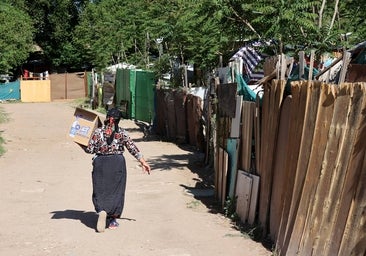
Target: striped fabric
(251, 59)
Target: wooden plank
(279, 175)
(219, 173)
(311, 66)
(283, 66)
(298, 103)
(354, 237)
(216, 171)
(265, 123)
(297, 170)
(343, 187)
(346, 60)
(235, 123)
(298, 207)
(253, 198)
(225, 160)
(290, 63)
(209, 132)
(324, 118)
(332, 154)
(301, 64)
(243, 194)
(317, 76)
(278, 67)
(269, 138)
(246, 138)
(232, 150)
(257, 134)
(243, 149)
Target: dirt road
(45, 196)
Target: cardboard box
(83, 125)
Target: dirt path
(45, 196)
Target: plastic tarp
(145, 96)
(10, 90)
(295, 76)
(137, 89)
(132, 103)
(244, 89)
(123, 93)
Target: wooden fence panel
(243, 192)
(246, 135)
(300, 192)
(343, 187)
(279, 174)
(311, 160)
(354, 238)
(333, 152)
(298, 103)
(272, 101)
(324, 218)
(253, 198)
(324, 117)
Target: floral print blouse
(99, 146)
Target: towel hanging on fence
(250, 57)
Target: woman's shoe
(101, 221)
(113, 224)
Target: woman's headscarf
(113, 117)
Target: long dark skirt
(109, 184)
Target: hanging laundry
(250, 57)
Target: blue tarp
(10, 91)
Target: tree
(307, 24)
(16, 37)
(109, 32)
(103, 32)
(53, 23)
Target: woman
(108, 143)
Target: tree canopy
(16, 37)
(151, 33)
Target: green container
(123, 91)
(145, 96)
(135, 94)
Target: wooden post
(301, 64)
(283, 66)
(346, 59)
(310, 76)
(86, 83)
(65, 85)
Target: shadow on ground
(89, 219)
(204, 188)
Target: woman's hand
(145, 166)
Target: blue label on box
(83, 131)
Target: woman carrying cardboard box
(108, 143)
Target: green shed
(135, 94)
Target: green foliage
(230, 209)
(152, 33)
(299, 24)
(15, 37)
